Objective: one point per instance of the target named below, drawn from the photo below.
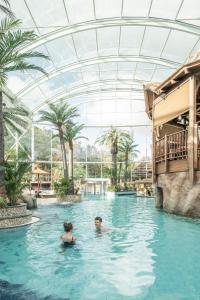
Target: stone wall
(175, 194)
(12, 216)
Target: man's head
(98, 221)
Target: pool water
(147, 255)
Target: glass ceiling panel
(108, 71)
(123, 106)
(189, 10)
(144, 71)
(79, 10)
(58, 84)
(131, 39)
(136, 8)
(17, 81)
(154, 41)
(108, 9)
(126, 70)
(46, 64)
(179, 46)
(108, 40)
(34, 98)
(20, 10)
(85, 43)
(90, 73)
(62, 51)
(48, 15)
(165, 9)
(161, 74)
(137, 106)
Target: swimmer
(68, 238)
(99, 226)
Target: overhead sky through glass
(102, 52)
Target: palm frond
(6, 9)
(23, 66)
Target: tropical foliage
(113, 138)
(5, 8)
(72, 133)
(60, 115)
(15, 181)
(127, 147)
(63, 187)
(12, 59)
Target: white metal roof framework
(104, 50)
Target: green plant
(3, 202)
(12, 39)
(63, 187)
(113, 138)
(60, 115)
(15, 180)
(114, 188)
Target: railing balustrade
(172, 147)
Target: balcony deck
(171, 153)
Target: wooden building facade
(174, 108)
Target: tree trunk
(71, 161)
(71, 164)
(2, 173)
(126, 171)
(114, 169)
(120, 169)
(62, 143)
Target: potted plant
(12, 212)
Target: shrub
(3, 202)
(63, 187)
(15, 180)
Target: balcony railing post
(166, 153)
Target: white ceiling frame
(93, 61)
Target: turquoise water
(148, 254)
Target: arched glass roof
(103, 51)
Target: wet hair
(98, 219)
(68, 226)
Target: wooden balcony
(171, 153)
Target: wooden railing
(172, 147)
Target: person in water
(68, 238)
(99, 225)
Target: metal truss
(111, 22)
(95, 61)
(98, 87)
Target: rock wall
(12, 216)
(175, 194)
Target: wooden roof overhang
(154, 90)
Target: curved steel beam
(75, 92)
(110, 22)
(94, 61)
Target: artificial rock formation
(175, 194)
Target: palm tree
(127, 147)
(112, 138)
(11, 59)
(5, 8)
(15, 118)
(72, 134)
(60, 116)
